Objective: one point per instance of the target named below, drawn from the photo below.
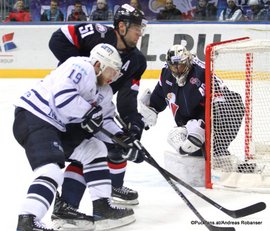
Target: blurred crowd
(166, 10)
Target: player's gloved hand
(115, 152)
(134, 130)
(134, 125)
(93, 120)
(149, 113)
(131, 153)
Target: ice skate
(108, 216)
(28, 222)
(65, 217)
(124, 196)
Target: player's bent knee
(89, 150)
(100, 148)
(52, 171)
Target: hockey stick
(149, 159)
(232, 213)
(246, 211)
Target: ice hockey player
(182, 87)
(79, 40)
(77, 92)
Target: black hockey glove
(135, 131)
(93, 120)
(134, 126)
(115, 152)
(132, 153)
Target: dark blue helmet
(129, 15)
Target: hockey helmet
(129, 15)
(108, 57)
(177, 55)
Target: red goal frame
(208, 76)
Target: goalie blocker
(149, 113)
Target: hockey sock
(74, 184)
(97, 177)
(42, 190)
(117, 172)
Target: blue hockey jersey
(185, 102)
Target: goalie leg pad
(190, 145)
(196, 129)
(195, 138)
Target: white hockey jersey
(67, 93)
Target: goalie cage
(244, 66)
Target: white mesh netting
(240, 128)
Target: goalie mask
(179, 60)
(109, 58)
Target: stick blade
(255, 208)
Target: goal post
(238, 133)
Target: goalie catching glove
(131, 153)
(189, 138)
(93, 120)
(149, 114)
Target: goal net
(238, 115)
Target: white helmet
(107, 55)
(178, 54)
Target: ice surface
(160, 207)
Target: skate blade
(109, 224)
(121, 202)
(72, 225)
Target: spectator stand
(248, 11)
(110, 6)
(38, 6)
(66, 6)
(70, 8)
(221, 4)
(8, 5)
(150, 7)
